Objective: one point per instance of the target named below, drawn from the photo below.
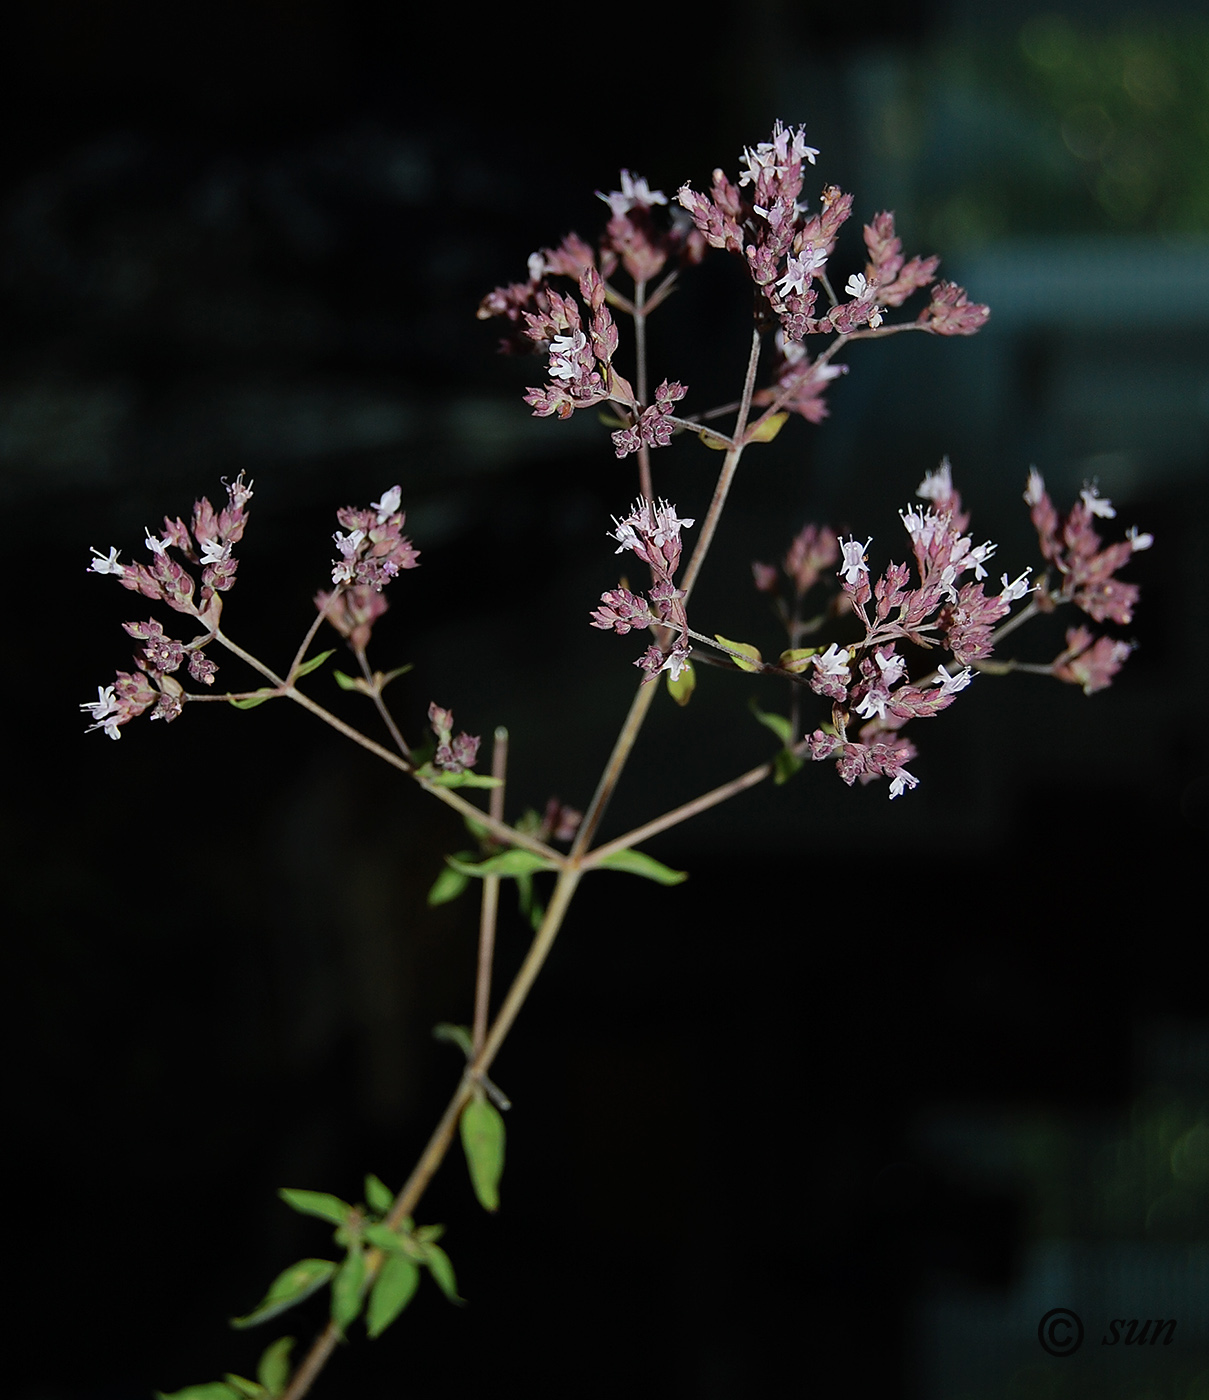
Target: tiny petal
(1138, 541)
(106, 563)
(1097, 504)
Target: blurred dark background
(881, 1084)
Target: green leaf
(428, 1233)
(483, 1142)
(713, 441)
(784, 766)
(455, 1035)
(394, 675)
(273, 1369)
(530, 907)
(507, 864)
(638, 863)
(779, 724)
(449, 883)
(458, 780)
(314, 663)
(681, 689)
(350, 682)
(767, 428)
(317, 1203)
(797, 660)
(212, 1390)
(250, 703)
(385, 1238)
(392, 1291)
(290, 1286)
(346, 1288)
(744, 649)
(378, 1196)
(442, 1271)
(249, 1390)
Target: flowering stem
(489, 907)
(317, 622)
(727, 474)
(644, 452)
(380, 704)
(679, 814)
(497, 828)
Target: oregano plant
(874, 639)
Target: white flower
(950, 685)
(562, 348)
(106, 563)
(875, 318)
(1035, 488)
(667, 526)
(1138, 541)
(787, 147)
(157, 547)
(1097, 504)
(1017, 588)
(537, 266)
(800, 269)
(874, 703)
(856, 286)
(347, 544)
(977, 557)
(937, 485)
(104, 710)
(343, 571)
(891, 667)
(676, 661)
(388, 505)
(215, 552)
(833, 662)
(634, 191)
(854, 560)
(901, 782)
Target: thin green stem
(375, 690)
(489, 907)
(319, 619)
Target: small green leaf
(476, 829)
(314, 663)
(507, 864)
(442, 1271)
(394, 675)
(712, 440)
(346, 1288)
(449, 883)
(392, 1291)
(767, 428)
(745, 649)
(378, 1196)
(779, 725)
(530, 907)
(350, 682)
(784, 766)
(483, 1135)
(250, 1390)
(455, 1035)
(681, 689)
(273, 1369)
(458, 780)
(385, 1238)
(797, 660)
(317, 1203)
(639, 863)
(250, 703)
(290, 1286)
(426, 1234)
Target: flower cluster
(1085, 564)
(452, 755)
(372, 553)
(653, 427)
(206, 543)
(209, 546)
(787, 250)
(814, 549)
(869, 680)
(652, 532)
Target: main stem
(569, 876)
